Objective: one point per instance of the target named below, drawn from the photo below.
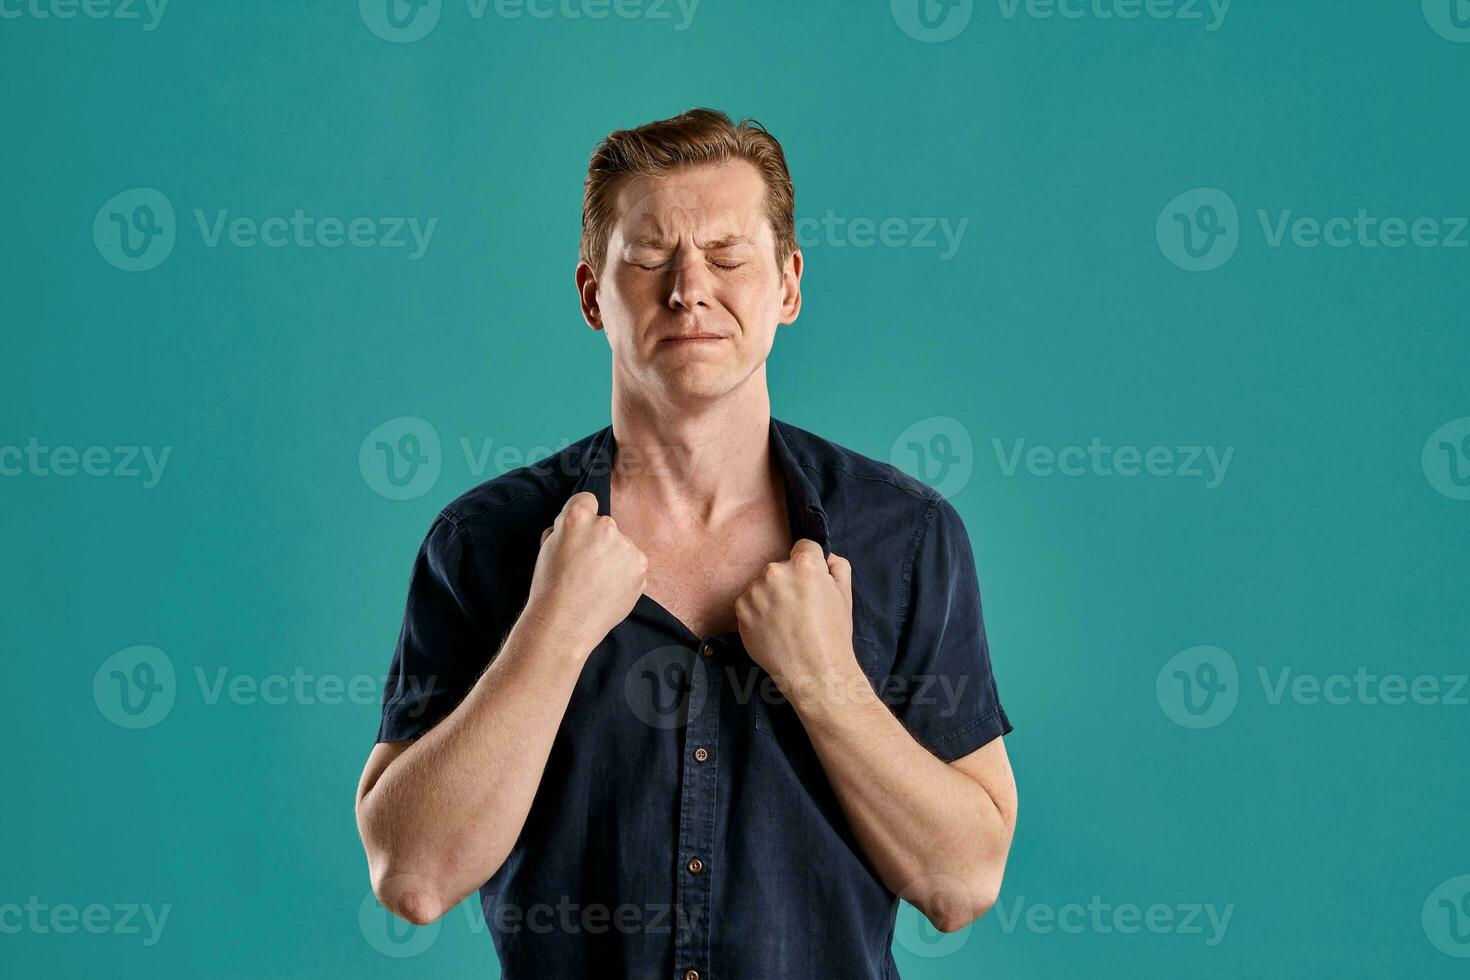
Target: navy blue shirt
(684, 828)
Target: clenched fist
(588, 575)
(796, 621)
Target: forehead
(726, 199)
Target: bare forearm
(444, 815)
(933, 834)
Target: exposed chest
(698, 577)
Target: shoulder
(874, 508)
(509, 501)
(839, 471)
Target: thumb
(841, 570)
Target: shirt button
(695, 866)
(701, 754)
(691, 975)
(709, 651)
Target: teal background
(264, 549)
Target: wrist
(542, 623)
(835, 689)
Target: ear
(587, 292)
(791, 288)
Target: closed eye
(717, 265)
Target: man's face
(690, 294)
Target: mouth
(694, 338)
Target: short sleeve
(445, 641)
(950, 703)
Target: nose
(690, 285)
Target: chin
(698, 381)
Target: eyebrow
(729, 241)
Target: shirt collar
(803, 505)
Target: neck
(695, 463)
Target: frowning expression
(690, 294)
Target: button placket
(697, 822)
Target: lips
(690, 337)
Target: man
(700, 695)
